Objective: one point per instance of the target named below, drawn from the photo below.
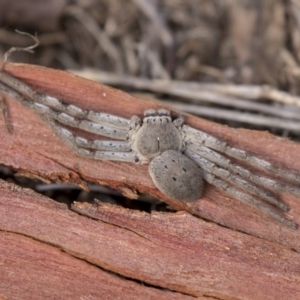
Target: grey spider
(179, 156)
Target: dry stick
(231, 115)
(149, 10)
(253, 92)
(216, 98)
(100, 36)
(129, 54)
(26, 49)
(3, 104)
(214, 73)
(153, 60)
(192, 91)
(48, 38)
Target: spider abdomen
(176, 176)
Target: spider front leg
(95, 122)
(227, 164)
(210, 178)
(98, 149)
(212, 168)
(211, 175)
(211, 142)
(211, 172)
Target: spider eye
(150, 112)
(163, 112)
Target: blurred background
(232, 61)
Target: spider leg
(5, 114)
(103, 123)
(89, 126)
(102, 150)
(120, 146)
(238, 170)
(210, 167)
(210, 178)
(213, 143)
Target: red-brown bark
(177, 251)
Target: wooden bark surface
(237, 253)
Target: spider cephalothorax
(155, 134)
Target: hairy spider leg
(227, 164)
(213, 143)
(102, 150)
(212, 178)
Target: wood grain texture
(179, 251)
(34, 266)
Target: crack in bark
(73, 255)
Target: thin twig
(210, 93)
(160, 27)
(99, 35)
(237, 116)
(47, 38)
(3, 104)
(26, 49)
(152, 57)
